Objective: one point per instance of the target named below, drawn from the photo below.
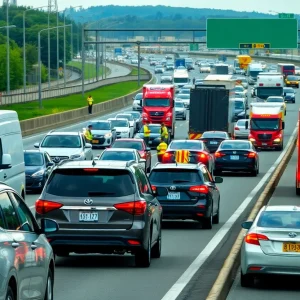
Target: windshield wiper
(178, 181)
(100, 193)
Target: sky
(248, 5)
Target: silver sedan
(272, 244)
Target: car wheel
(143, 256)
(207, 222)
(297, 191)
(49, 287)
(9, 294)
(247, 280)
(254, 172)
(293, 101)
(216, 218)
(285, 112)
(156, 250)
(184, 118)
(149, 168)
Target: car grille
(57, 159)
(264, 137)
(156, 114)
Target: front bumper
(180, 114)
(35, 183)
(101, 141)
(266, 144)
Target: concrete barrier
(227, 274)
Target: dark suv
(102, 207)
(193, 193)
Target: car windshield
(278, 100)
(33, 159)
(292, 77)
(128, 117)
(186, 145)
(136, 115)
(100, 126)
(183, 96)
(241, 123)
(179, 104)
(209, 135)
(239, 89)
(119, 123)
(185, 91)
(235, 145)
(175, 176)
(279, 219)
(117, 155)
(61, 141)
(269, 91)
(128, 144)
(181, 80)
(154, 129)
(86, 183)
(158, 102)
(138, 96)
(288, 90)
(239, 104)
(264, 124)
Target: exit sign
(286, 16)
(254, 46)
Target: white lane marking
(185, 278)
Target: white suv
(66, 145)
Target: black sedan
(38, 166)
(154, 139)
(237, 156)
(213, 139)
(289, 94)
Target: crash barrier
(228, 272)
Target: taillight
(202, 156)
(261, 84)
(219, 154)
(136, 208)
(278, 84)
(143, 155)
(166, 157)
(202, 189)
(90, 170)
(236, 128)
(251, 155)
(153, 188)
(43, 206)
(204, 141)
(253, 238)
(133, 242)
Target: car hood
(290, 95)
(121, 128)
(100, 132)
(29, 170)
(180, 109)
(154, 135)
(62, 151)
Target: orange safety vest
(182, 156)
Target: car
(240, 108)
(180, 110)
(122, 126)
(236, 156)
(103, 133)
(289, 94)
(137, 144)
(38, 166)
(27, 259)
(186, 91)
(65, 145)
(297, 70)
(204, 68)
(170, 67)
(271, 243)
(292, 80)
(185, 98)
(198, 152)
(239, 71)
(159, 69)
(134, 61)
(111, 209)
(240, 131)
(192, 192)
(277, 99)
(137, 118)
(240, 89)
(190, 66)
(154, 139)
(169, 56)
(212, 139)
(131, 121)
(253, 91)
(137, 102)
(244, 82)
(153, 63)
(166, 78)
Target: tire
(184, 118)
(253, 173)
(285, 112)
(9, 294)
(293, 101)
(49, 287)
(207, 222)
(280, 147)
(156, 250)
(247, 280)
(216, 218)
(143, 257)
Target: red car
(198, 152)
(139, 145)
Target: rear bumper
(234, 166)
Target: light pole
(40, 63)
(24, 44)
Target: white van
(12, 166)
(180, 78)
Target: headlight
(252, 140)
(38, 173)
(277, 140)
(75, 156)
(108, 135)
(168, 119)
(288, 82)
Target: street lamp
(39, 61)
(24, 44)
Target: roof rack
(130, 162)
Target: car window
(241, 123)
(87, 183)
(26, 219)
(142, 182)
(235, 145)
(34, 159)
(137, 145)
(207, 177)
(117, 155)
(11, 220)
(186, 145)
(175, 176)
(154, 129)
(279, 219)
(63, 141)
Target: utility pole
(139, 61)
(7, 50)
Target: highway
(187, 250)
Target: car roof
(63, 133)
(99, 121)
(218, 132)
(236, 141)
(276, 97)
(162, 166)
(33, 151)
(282, 208)
(187, 141)
(120, 149)
(122, 114)
(130, 140)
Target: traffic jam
(108, 188)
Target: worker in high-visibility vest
(164, 133)
(182, 156)
(161, 149)
(88, 134)
(90, 101)
(147, 132)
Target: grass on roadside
(135, 71)
(89, 69)
(31, 110)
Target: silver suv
(103, 207)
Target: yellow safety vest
(164, 132)
(182, 156)
(88, 135)
(90, 100)
(161, 148)
(147, 131)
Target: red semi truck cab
(158, 105)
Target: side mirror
(246, 125)
(114, 129)
(283, 125)
(6, 162)
(148, 149)
(49, 226)
(50, 164)
(218, 179)
(247, 225)
(161, 191)
(36, 145)
(88, 146)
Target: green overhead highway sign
(194, 47)
(232, 33)
(286, 16)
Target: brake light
(236, 128)
(204, 141)
(219, 154)
(251, 155)
(136, 208)
(202, 156)
(43, 206)
(253, 238)
(201, 206)
(153, 188)
(143, 155)
(278, 84)
(202, 189)
(134, 242)
(91, 170)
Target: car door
(37, 244)
(47, 161)
(87, 151)
(138, 159)
(19, 243)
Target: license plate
(173, 196)
(150, 142)
(88, 217)
(95, 141)
(234, 157)
(213, 143)
(290, 247)
(264, 144)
